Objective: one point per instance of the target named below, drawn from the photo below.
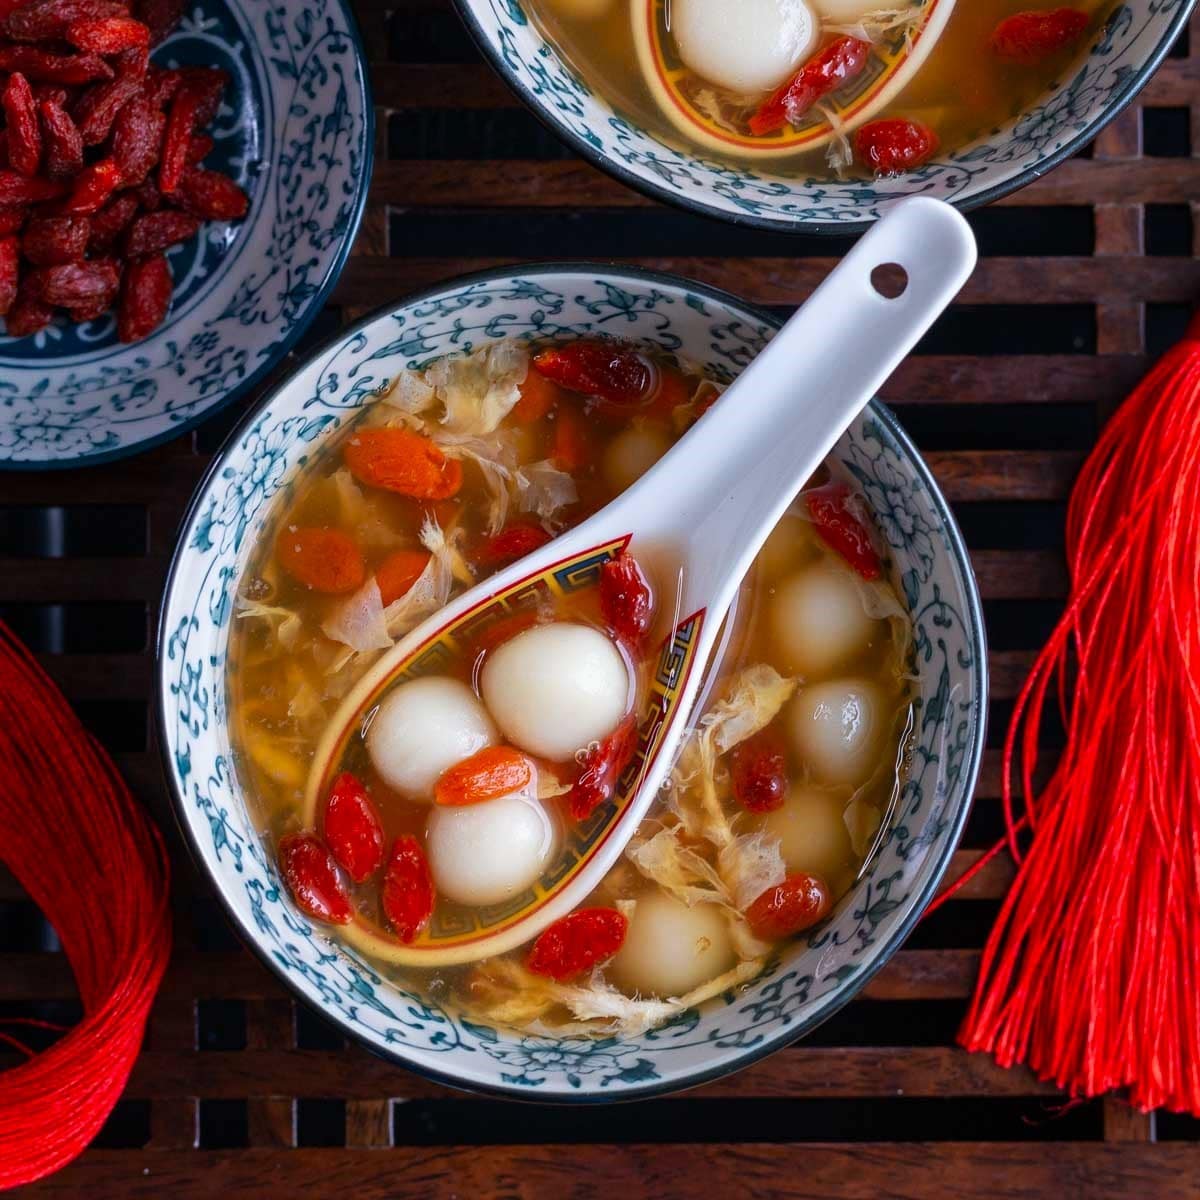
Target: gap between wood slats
(862, 1171)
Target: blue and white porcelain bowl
(254, 471)
(1101, 82)
(295, 130)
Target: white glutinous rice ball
(671, 949)
(812, 835)
(555, 688)
(422, 728)
(748, 46)
(631, 454)
(818, 621)
(488, 853)
(836, 728)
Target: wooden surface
(1084, 275)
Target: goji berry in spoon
(408, 894)
(488, 774)
(353, 831)
(602, 768)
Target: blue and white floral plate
(296, 131)
(230, 508)
(1135, 38)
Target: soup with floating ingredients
(810, 87)
(470, 782)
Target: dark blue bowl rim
(657, 191)
(969, 776)
(311, 310)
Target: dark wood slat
(862, 1171)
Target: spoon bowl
(725, 485)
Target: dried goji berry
(1029, 37)
(538, 396)
(325, 560)
(145, 297)
(16, 188)
(577, 942)
(400, 460)
(89, 312)
(51, 92)
(181, 120)
(619, 377)
(840, 529)
(63, 142)
(199, 148)
(353, 831)
(211, 195)
(52, 240)
(825, 72)
(408, 895)
(75, 283)
(602, 768)
(487, 774)
(136, 138)
(35, 63)
(159, 85)
(47, 20)
(311, 876)
(111, 221)
(160, 15)
(758, 772)
(12, 219)
(398, 572)
(28, 314)
(892, 146)
(512, 542)
(152, 232)
(208, 85)
(797, 903)
(10, 266)
(626, 601)
(148, 195)
(93, 186)
(21, 125)
(107, 35)
(97, 108)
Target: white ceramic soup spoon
(705, 510)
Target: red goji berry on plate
(1029, 37)
(48, 20)
(208, 85)
(199, 148)
(89, 312)
(97, 108)
(93, 186)
(148, 195)
(758, 772)
(28, 314)
(152, 232)
(63, 142)
(602, 768)
(111, 221)
(24, 136)
(145, 297)
(159, 85)
(211, 195)
(49, 241)
(353, 831)
(311, 876)
(825, 72)
(799, 902)
(13, 218)
(37, 64)
(408, 895)
(894, 145)
(181, 121)
(107, 35)
(16, 188)
(10, 269)
(577, 942)
(626, 601)
(840, 529)
(70, 284)
(52, 92)
(136, 140)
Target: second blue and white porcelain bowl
(1135, 38)
(818, 974)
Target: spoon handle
(725, 485)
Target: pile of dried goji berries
(100, 163)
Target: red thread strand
(94, 864)
(1090, 974)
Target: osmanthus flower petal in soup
(468, 783)
(813, 87)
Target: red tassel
(89, 858)
(1091, 975)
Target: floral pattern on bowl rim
(1134, 40)
(296, 130)
(799, 989)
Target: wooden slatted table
(1084, 276)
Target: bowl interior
(1098, 84)
(294, 130)
(817, 975)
